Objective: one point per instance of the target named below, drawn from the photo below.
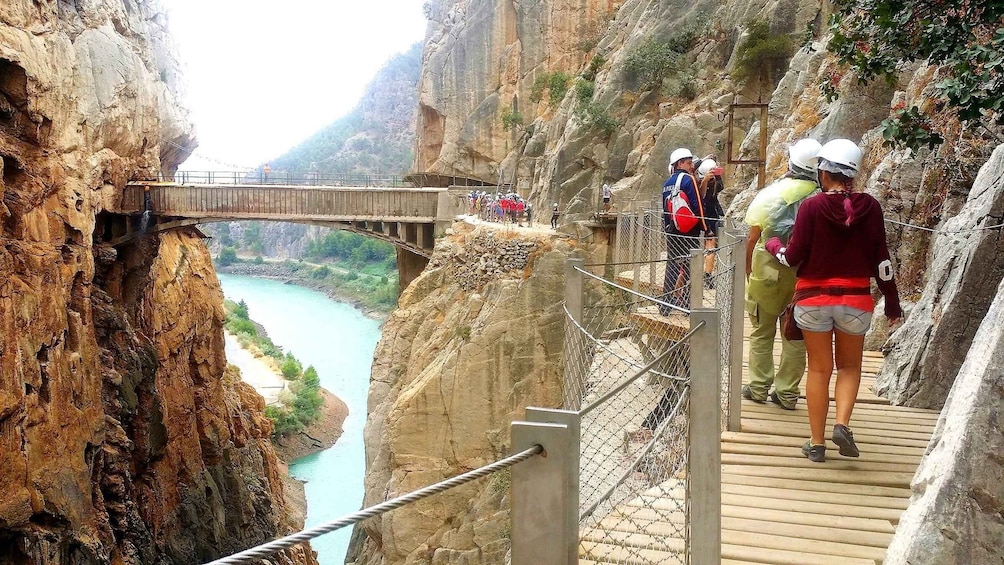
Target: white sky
(262, 75)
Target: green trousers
(789, 372)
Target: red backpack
(678, 208)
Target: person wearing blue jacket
(680, 242)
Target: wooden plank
(755, 526)
(759, 426)
(771, 515)
(795, 451)
(817, 486)
(893, 503)
(797, 441)
(870, 412)
(880, 478)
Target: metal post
(636, 235)
(762, 165)
(705, 455)
(574, 423)
(540, 490)
(575, 373)
(738, 317)
(696, 278)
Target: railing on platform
(652, 365)
(650, 261)
(316, 178)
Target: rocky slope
(483, 113)
(121, 439)
(475, 339)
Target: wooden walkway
(777, 506)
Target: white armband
(885, 271)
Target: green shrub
(557, 86)
(595, 64)
(539, 84)
(761, 55)
(647, 65)
(291, 368)
(320, 273)
(584, 91)
(227, 256)
(284, 422)
(510, 119)
(258, 260)
(241, 310)
(594, 115)
(238, 326)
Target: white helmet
(678, 155)
(707, 165)
(802, 155)
(840, 156)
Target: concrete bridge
(409, 217)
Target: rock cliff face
(561, 155)
(121, 439)
(485, 60)
(475, 339)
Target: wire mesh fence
(689, 272)
(629, 372)
(628, 365)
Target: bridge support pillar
(409, 266)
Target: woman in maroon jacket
(837, 246)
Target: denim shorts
(825, 318)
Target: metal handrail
(638, 460)
(634, 292)
(683, 339)
(257, 552)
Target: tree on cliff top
(965, 39)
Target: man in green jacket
(771, 285)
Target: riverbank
(290, 273)
(319, 434)
(263, 373)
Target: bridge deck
(777, 506)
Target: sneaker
(709, 283)
(748, 395)
(844, 438)
(777, 400)
(815, 453)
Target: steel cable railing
(264, 550)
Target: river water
(338, 341)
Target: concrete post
(541, 489)
(574, 423)
(409, 266)
(696, 278)
(705, 451)
(574, 347)
(736, 335)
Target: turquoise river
(338, 341)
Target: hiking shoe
(777, 400)
(815, 453)
(844, 438)
(748, 395)
(709, 283)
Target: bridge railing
(292, 178)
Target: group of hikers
(813, 247)
(497, 207)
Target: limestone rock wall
(483, 57)
(121, 439)
(475, 339)
(967, 264)
(958, 491)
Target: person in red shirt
(838, 244)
